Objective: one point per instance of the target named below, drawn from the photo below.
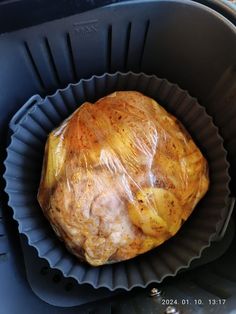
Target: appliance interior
(141, 36)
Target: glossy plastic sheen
(142, 37)
(26, 151)
(119, 177)
(206, 55)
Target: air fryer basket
(133, 36)
(31, 126)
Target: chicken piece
(119, 178)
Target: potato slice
(54, 162)
(152, 242)
(156, 211)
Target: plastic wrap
(30, 128)
(120, 177)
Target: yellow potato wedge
(156, 211)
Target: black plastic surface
(19, 80)
(13, 12)
(126, 37)
(50, 286)
(30, 127)
(184, 287)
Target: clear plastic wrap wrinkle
(22, 183)
(120, 177)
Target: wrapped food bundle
(120, 177)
